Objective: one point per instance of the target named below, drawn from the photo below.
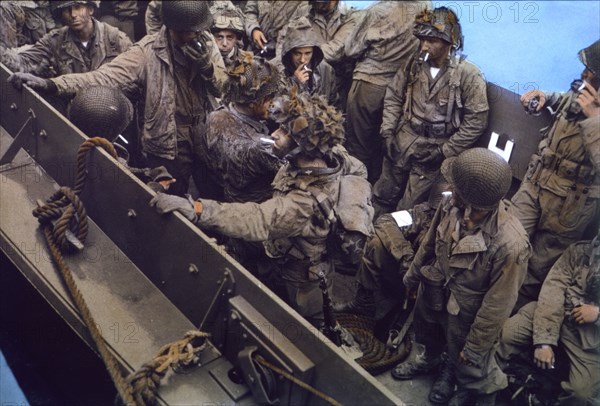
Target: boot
(462, 397)
(422, 364)
(443, 387)
(363, 303)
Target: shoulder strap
(325, 203)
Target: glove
(18, 79)
(165, 203)
(389, 146)
(197, 52)
(432, 156)
(157, 174)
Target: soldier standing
(560, 194)
(479, 251)
(291, 224)
(434, 109)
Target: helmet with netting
(56, 7)
(315, 125)
(590, 57)
(227, 17)
(480, 177)
(439, 23)
(101, 111)
(251, 79)
(186, 15)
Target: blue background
(522, 45)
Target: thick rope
(146, 380)
(297, 381)
(68, 211)
(377, 357)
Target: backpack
(350, 218)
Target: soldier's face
(284, 143)
(589, 77)
(324, 7)
(438, 50)
(301, 56)
(261, 107)
(78, 16)
(226, 40)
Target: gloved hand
(160, 179)
(389, 146)
(165, 203)
(18, 79)
(197, 51)
(433, 156)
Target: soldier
(24, 22)
(559, 196)
(479, 252)
(434, 109)
(291, 223)
(264, 20)
(228, 30)
(565, 315)
(178, 70)
(121, 14)
(302, 65)
(82, 45)
(381, 44)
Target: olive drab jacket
(238, 159)
(59, 53)
(567, 286)
(148, 67)
(383, 41)
(455, 100)
(483, 270)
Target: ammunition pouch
(434, 290)
(573, 171)
(431, 130)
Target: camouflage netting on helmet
(56, 7)
(311, 121)
(101, 111)
(252, 79)
(480, 177)
(440, 23)
(227, 17)
(186, 15)
(590, 57)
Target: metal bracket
(19, 139)
(261, 382)
(226, 290)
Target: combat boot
(443, 387)
(422, 364)
(363, 303)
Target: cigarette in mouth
(267, 140)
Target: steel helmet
(186, 15)
(228, 17)
(439, 23)
(251, 79)
(590, 57)
(56, 7)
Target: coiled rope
(67, 209)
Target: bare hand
(543, 357)
(259, 38)
(166, 183)
(589, 101)
(585, 313)
(462, 358)
(302, 74)
(526, 98)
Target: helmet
(590, 57)
(228, 17)
(440, 23)
(315, 125)
(186, 15)
(480, 177)
(56, 7)
(101, 111)
(251, 79)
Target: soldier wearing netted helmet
(291, 224)
(560, 195)
(433, 110)
(479, 251)
(179, 71)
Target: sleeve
(152, 18)
(34, 59)
(356, 42)
(251, 14)
(590, 128)
(334, 50)
(550, 312)
(393, 103)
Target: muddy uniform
(177, 97)
(448, 112)
(60, 52)
(548, 321)
(559, 196)
(483, 269)
(242, 164)
(292, 226)
(120, 14)
(381, 43)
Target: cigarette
(306, 69)
(267, 140)
(123, 139)
(426, 57)
(198, 44)
(264, 50)
(580, 88)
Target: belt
(431, 130)
(567, 169)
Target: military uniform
(447, 112)
(244, 166)
(60, 52)
(560, 194)
(177, 98)
(483, 269)
(291, 224)
(120, 14)
(548, 322)
(382, 43)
